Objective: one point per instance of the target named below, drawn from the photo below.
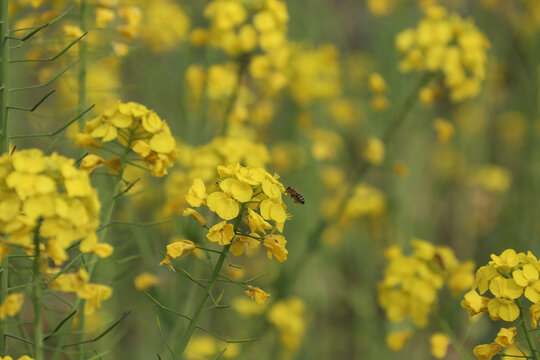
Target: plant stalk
(4, 145)
(215, 273)
(83, 49)
(530, 341)
(36, 298)
(105, 219)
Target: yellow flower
(475, 303)
(534, 311)
(397, 339)
(198, 217)
(95, 294)
(237, 189)
(439, 345)
(484, 276)
(528, 278)
(11, 305)
(90, 162)
(273, 210)
(487, 351)
(256, 222)
(505, 337)
(145, 281)
(221, 233)
(288, 316)
(223, 205)
(275, 245)
(503, 306)
(444, 129)
(245, 242)
(246, 307)
(177, 249)
(506, 262)
(197, 193)
(377, 84)
(374, 151)
(257, 294)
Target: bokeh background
(371, 136)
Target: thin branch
(56, 132)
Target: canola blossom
(136, 128)
(411, 285)
(448, 44)
(47, 196)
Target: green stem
(38, 326)
(527, 330)
(4, 68)
(83, 61)
(102, 235)
(195, 319)
(457, 344)
(4, 145)
(215, 273)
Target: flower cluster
(201, 162)
(134, 127)
(256, 196)
(47, 193)
(78, 283)
(449, 44)
(315, 74)
(231, 31)
(411, 283)
(508, 277)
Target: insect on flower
(295, 195)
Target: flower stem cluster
(508, 277)
(255, 190)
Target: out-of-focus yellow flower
(444, 129)
(207, 347)
(411, 284)
(315, 74)
(448, 44)
(90, 162)
(396, 340)
(288, 316)
(373, 151)
(439, 345)
(164, 24)
(247, 308)
(51, 192)
(492, 178)
(145, 281)
(72, 31)
(11, 305)
(94, 294)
